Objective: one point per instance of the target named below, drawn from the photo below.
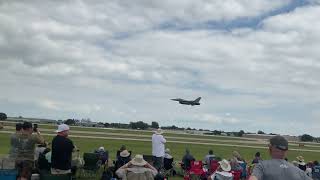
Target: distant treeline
(154, 125)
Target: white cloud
(110, 60)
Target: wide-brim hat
(159, 131)
(101, 148)
(138, 160)
(225, 165)
(124, 153)
(62, 127)
(300, 158)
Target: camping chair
(91, 165)
(8, 174)
(148, 158)
(168, 169)
(236, 175)
(196, 170)
(214, 164)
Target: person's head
(278, 147)
(18, 127)
(123, 147)
(316, 163)
(158, 131)
(187, 151)
(63, 130)
(257, 155)
(236, 155)
(101, 149)
(210, 152)
(138, 161)
(125, 153)
(167, 151)
(27, 128)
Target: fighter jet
(186, 102)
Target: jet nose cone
(175, 99)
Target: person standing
(62, 148)
(14, 141)
(25, 146)
(158, 149)
(277, 168)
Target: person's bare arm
(39, 138)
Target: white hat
(225, 165)
(101, 148)
(138, 160)
(159, 131)
(167, 150)
(124, 153)
(62, 127)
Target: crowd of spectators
(30, 152)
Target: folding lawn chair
(91, 165)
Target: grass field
(141, 143)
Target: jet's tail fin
(197, 100)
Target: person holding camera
(24, 143)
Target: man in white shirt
(158, 151)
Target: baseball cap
(62, 127)
(279, 142)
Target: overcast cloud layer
(255, 63)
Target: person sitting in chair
(102, 155)
(137, 169)
(123, 159)
(223, 171)
(186, 160)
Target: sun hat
(124, 153)
(301, 160)
(62, 127)
(101, 148)
(159, 131)
(225, 165)
(138, 160)
(279, 142)
(167, 150)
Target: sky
(255, 63)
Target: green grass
(177, 150)
(137, 147)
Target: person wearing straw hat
(277, 168)
(137, 169)
(62, 149)
(223, 171)
(301, 164)
(158, 149)
(122, 159)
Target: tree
(241, 133)
(216, 132)
(306, 137)
(3, 116)
(260, 132)
(154, 125)
(70, 122)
